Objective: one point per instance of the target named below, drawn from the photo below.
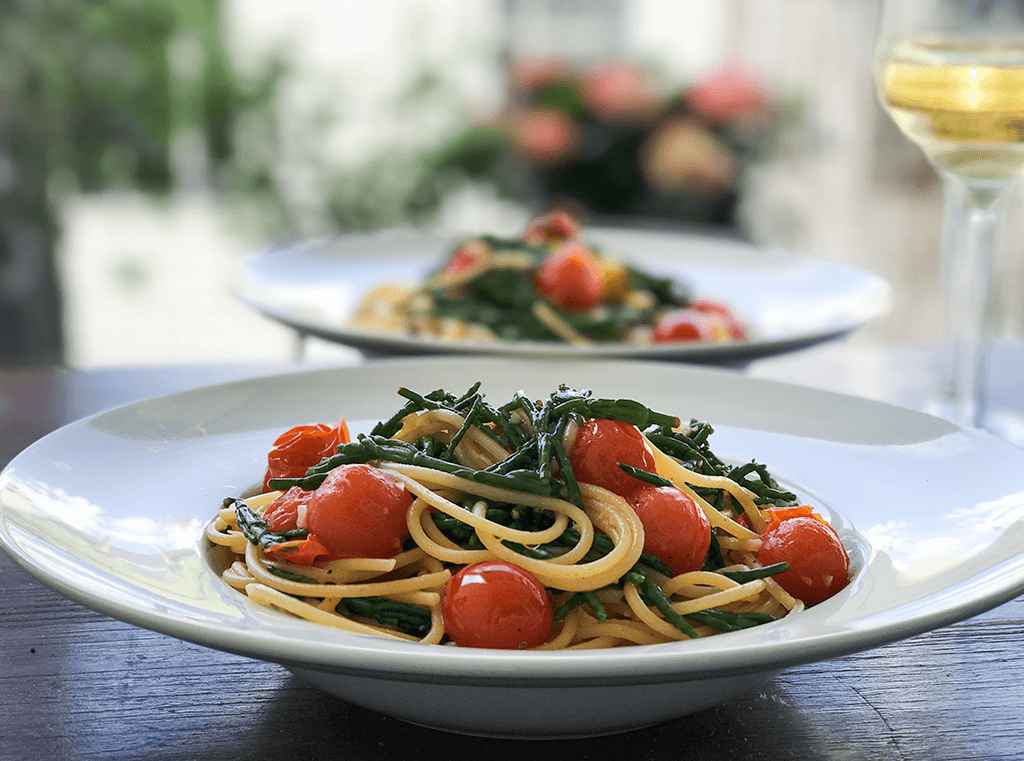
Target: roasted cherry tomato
(675, 528)
(818, 564)
(736, 329)
(301, 447)
(497, 605)
(600, 445)
(555, 226)
(469, 256)
(702, 321)
(300, 551)
(282, 514)
(359, 512)
(785, 513)
(687, 325)
(710, 306)
(570, 277)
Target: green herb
(728, 621)
(406, 617)
(743, 577)
(289, 575)
(258, 532)
(646, 476)
(581, 598)
(651, 593)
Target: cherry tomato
(468, 256)
(555, 226)
(359, 512)
(497, 605)
(685, 325)
(695, 324)
(675, 528)
(282, 514)
(710, 306)
(736, 329)
(600, 445)
(570, 277)
(301, 447)
(300, 551)
(818, 564)
(785, 513)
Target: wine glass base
(1005, 424)
(1002, 423)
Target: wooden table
(77, 685)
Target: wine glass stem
(969, 239)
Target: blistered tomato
(497, 605)
(818, 563)
(600, 445)
(570, 277)
(687, 325)
(555, 226)
(359, 512)
(675, 528)
(301, 447)
(736, 329)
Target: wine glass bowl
(951, 75)
(961, 101)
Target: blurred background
(147, 145)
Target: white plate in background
(789, 301)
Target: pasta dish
(564, 523)
(547, 285)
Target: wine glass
(951, 75)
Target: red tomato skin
(675, 528)
(282, 514)
(694, 324)
(301, 447)
(683, 326)
(497, 605)
(600, 445)
(570, 277)
(466, 257)
(728, 321)
(299, 551)
(710, 306)
(359, 512)
(735, 329)
(555, 226)
(819, 564)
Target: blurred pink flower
(729, 93)
(683, 156)
(528, 75)
(545, 136)
(620, 93)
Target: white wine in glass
(962, 102)
(951, 75)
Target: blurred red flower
(730, 93)
(620, 94)
(545, 136)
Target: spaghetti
(484, 484)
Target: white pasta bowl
(110, 511)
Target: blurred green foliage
(93, 98)
(95, 95)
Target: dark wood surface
(75, 684)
